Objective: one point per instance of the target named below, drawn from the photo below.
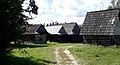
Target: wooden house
(67, 32)
(55, 32)
(102, 27)
(36, 34)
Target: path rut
(64, 57)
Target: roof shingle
(100, 22)
(36, 29)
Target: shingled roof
(104, 22)
(71, 28)
(36, 29)
(58, 29)
(64, 29)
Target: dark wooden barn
(36, 34)
(67, 32)
(102, 27)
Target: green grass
(96, 55)
(33, 54)
(42, 54)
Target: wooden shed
(36, 33)
(102, 27)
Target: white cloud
(64, 7)
(92, 2)
(66, 10)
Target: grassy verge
(97, 55)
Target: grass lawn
(33, 54)
(43, 54)
(96, 55)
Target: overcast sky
(66, 10)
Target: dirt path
(64, 57)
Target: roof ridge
(106, 10)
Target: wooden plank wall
(99, 39)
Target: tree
(114, 4)
(12, 23)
